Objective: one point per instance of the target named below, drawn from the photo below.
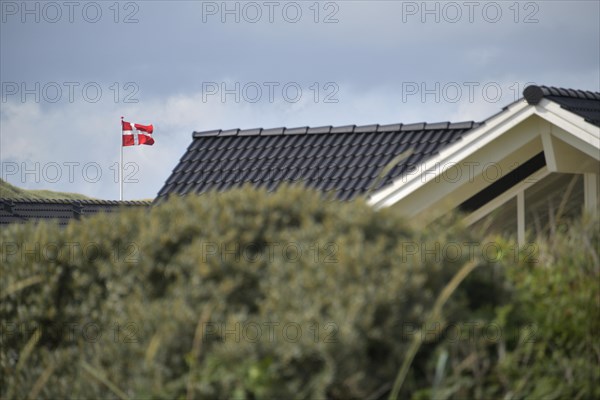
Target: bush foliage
(246, 294)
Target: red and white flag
(136, 134)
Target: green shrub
(246, 294)
(549, 345)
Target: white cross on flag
(136, 134)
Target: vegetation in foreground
(248, 295)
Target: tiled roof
(22, 210)
(586, 104)
(344, 159)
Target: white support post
(590, 192)
(521, 217)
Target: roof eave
(494, 127)
(477, 138)
(572, 123)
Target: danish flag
(136, 134)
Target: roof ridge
(338, 129)
(534, 93)
(74, 201)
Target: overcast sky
(70, 70)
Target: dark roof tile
(366, 128)
(207, 133)
(343, 129)
(463, 125)
(230, 132)
(389, 128)
(272, 131)
(250, 132)
(413, 127)
(583, 103)
(437, 125)
(296, 131)
(319, 130)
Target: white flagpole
(121, 164)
